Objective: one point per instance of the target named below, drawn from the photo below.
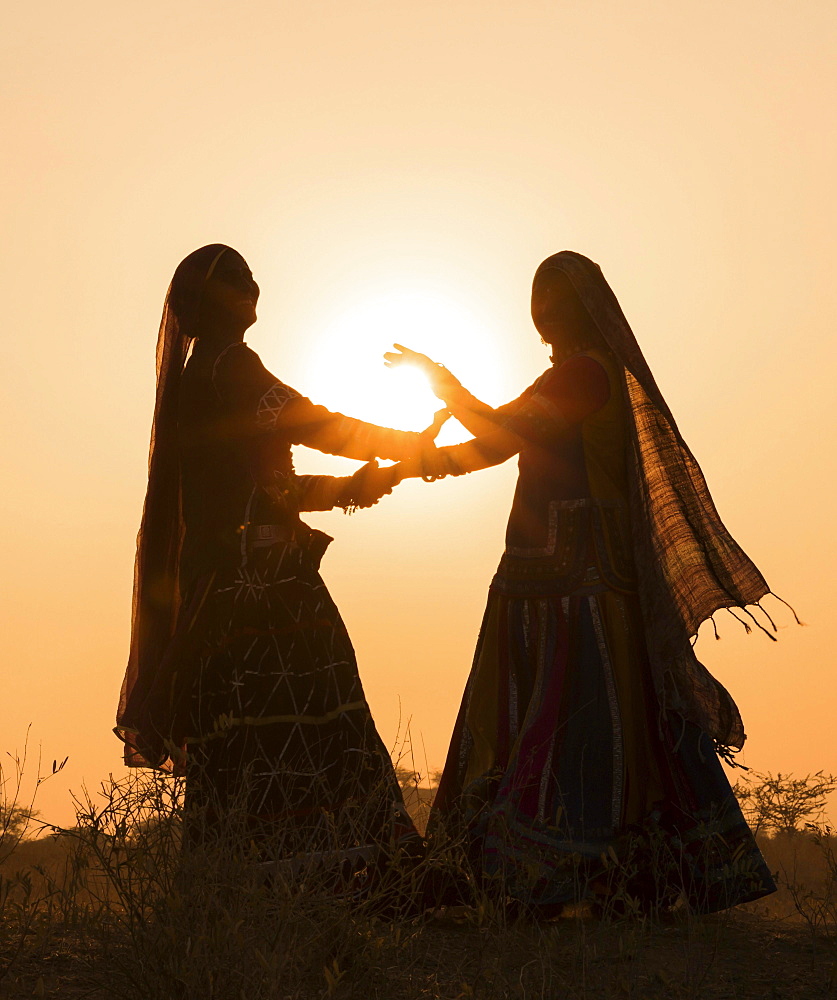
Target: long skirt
(565, 781)
(279, 733)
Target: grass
(114, 907)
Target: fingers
(407, 356)
(375, 482)
(390, 358)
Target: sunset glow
(344, 367)
(395, 172)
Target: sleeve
(304, 422)
(558, 402)
(478, 417)
(244, 384)
(321, 492)
(240, 379)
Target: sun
(345, 369)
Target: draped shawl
(157, 596)
(688, 564)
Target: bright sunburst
(346, 371)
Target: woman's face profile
(230, 294)
(557, 311)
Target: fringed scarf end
(792, 610)
(746, 625)
(758, 624)
(766, 614)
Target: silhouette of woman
(589, 733)
(241, 672)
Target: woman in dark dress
(588, 738)
(241, 673)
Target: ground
(741, 955)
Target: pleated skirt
(564, 779)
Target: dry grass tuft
(116, 906)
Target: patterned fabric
(275, 713)
(272, 403)
(688, 564)
(561, 776)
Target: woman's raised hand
(409, 357)
(442, 383)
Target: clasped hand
(370, 483)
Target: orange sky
(389, 167)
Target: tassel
(793, 612)
(759, 625)
(767, 616)
(746, 625)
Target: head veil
(157, 596)
(688, 564)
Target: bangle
(431, 477)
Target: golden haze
(379, 163)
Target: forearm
(363, 489)
(316, 427)
(358, 439)
(474, 415)
(322, 492)
(456, 460)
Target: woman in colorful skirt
(585, 758)
(241, 672)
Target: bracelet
(429, 477)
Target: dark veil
(688, 564)
(157, 596)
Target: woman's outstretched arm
(363, 489)
(475, 416)
(481, 452)
(240, 375)
(556, 404)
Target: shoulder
(579, 366)
(240, 377)
(579, 386)
(581, 373)
(237, 360)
